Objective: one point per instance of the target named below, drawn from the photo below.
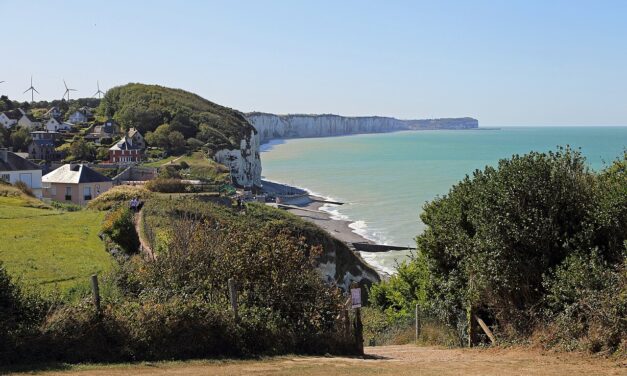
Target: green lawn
(51, 249)
(160, 162)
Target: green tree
(176, 142)
(20, 139)
(82, 150)
(159, 137)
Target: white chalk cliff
(271, 126)
(244, 163)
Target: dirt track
(386, 360)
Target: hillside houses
(14, 168)
(75, 183)
(80, 116)
(104, 132)
(10, 118)
(56, 124)
(43, 146)
(28, 121)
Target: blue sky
(503, 62)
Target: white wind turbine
(32, 90)
(99, 93)
(67, 91)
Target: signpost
(356, 298)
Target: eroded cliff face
(244, 162)
(270, 126)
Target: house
(137, 138)
(125, 151)
(28, 121)
(54, 112)
(57, 124)
(74, 183)
(14, 168)
(80, 116)
(43, 146)
(98, 133)
(10, 118)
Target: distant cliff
(270, 126)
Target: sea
(385, 179)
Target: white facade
(6, 122)
(54, 125)
(32, 178)
(27, 123)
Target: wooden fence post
(486, 329)
(233, 295)
(359, 335)
(95, 291)
(417, 322)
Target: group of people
(135, 204)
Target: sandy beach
(311, 212)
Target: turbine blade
(36, 91)
(26, 91)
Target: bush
(586, 305)
(492, 243)
(164, 185)
(121, 194)
(24, 188)
(119, 226)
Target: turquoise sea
(384, 179)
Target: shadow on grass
(34, 367)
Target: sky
(503, 62)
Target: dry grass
(386, 360)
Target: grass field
(51, 249)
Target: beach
(311, 211)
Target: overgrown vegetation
(536, 243)
(173, 118)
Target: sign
(356, 298)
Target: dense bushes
(119, 226)
(505, 241)
(165, 185)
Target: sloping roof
(51, 110)
(124, 144)
(132, 132)
(13, 115)
(30, 117)
(16, 163)
(74, 174)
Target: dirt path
(385, 360)
(145, 247)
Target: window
(68, 193)
(86, 193)
(6, 177)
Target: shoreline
(312, 211)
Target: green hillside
(50, 249)
(146, 107)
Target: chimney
(4, 155)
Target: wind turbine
(99, 93)
(32, 90)
(67, 91)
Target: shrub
(586, 305)
(163, 185)
(120, 194)
(119, 226)
(495, 239)
(170, 171)
(24, 188)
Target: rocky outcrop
(270, 126)
(244, 163)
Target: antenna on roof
(99, 93)
(32, 90)
(67, 91)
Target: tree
(20, 139)
(159, 137)
(82, 150)
(176, 142)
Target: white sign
(356, 298)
